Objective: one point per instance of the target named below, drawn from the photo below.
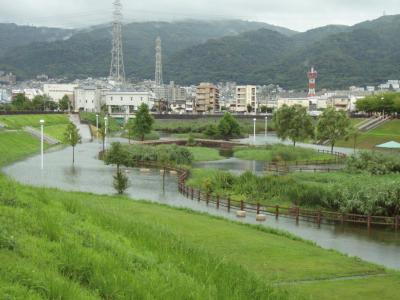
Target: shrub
(120, 182)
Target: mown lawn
(17, 145)
(389, 131)
(56, 131)
(205, 154)
(62, 245)
(20, 121)
(280, 153)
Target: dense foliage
(203, 51)
(128, 155)
(375, 163)
(333, 126)
(343, 192)
(383, 103)
(294, 123)
(38, 104)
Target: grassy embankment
(389, 131)
(55, 125)
(61, 245)
(15, 145)
(280, 153)
(205, 154)
(56, 244)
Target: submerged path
(91, 175)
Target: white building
(32, 93)
(127, 102)
(89, 99)
(304, 102)
(57, 91)
(4, 96)
(246, 95)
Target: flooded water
(91, 175)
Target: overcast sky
(294, 14)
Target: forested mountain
(245, 52)
(367, 53)
(12, 35)
(87, 53)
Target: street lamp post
(383, 99)
(255, 121)
(266, 126)
(105, 132)
(97, 126)
(42, 143)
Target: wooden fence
(316, 216)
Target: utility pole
(117, 70)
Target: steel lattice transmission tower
(158, 77)
(117, 71)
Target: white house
(127, 102)
(57, 91)
(89, 99)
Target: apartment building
(246, 95)
(207, 98)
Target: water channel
(91, 175)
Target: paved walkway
(36, 133)
(84, 129)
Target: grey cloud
(294, 14)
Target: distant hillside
(245, 52)
(12, 35)
(87, 53)
(367, 53)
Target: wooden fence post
(319, 218)
(199, 196)
(229, 204)
(241, 205)
(258, 208)
(192, 193)
(369, 221)
(297, 214)
(396, 223)
(343, 218)
(218, 202)
(208, 198)
(277, 212)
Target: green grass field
(205, 154)
(280, 153)
(62, 245)
(17, 145)
(56, 131)
(389, 131)
(20, 121)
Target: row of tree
(388, 103)
(40, 103)
(294, 123)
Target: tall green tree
(116, 155)
(64, 103)
(20, 102)
(228, 127)
(293, 123)
(130, 129)
(333, 126)
(143, 123)
(72, 138)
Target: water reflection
(91, 175)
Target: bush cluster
(375, 163)
(362, 195)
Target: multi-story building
(127, 102)
(89, 99)
(9, 78)
(207, 98)
(305, 102)
(246, 95)
(57, 91)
